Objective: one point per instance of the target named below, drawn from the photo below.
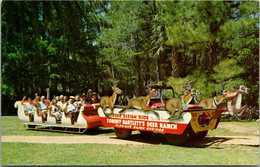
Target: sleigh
(87, 119)
(195, 122)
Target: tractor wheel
(197, 136)
(177, 139)
(122, 133)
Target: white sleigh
(51, 119)
(21, 112)
(38, 118)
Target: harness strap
(111, 102)
(215, 101)
(183, 103)
(144, 101)
(229, 107)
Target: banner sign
(145, 121)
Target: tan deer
(212, 103)
(181, 102)
(141, 103)
(110, 101)
(234, 105)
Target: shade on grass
(103, 154)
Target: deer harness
(218, 100)
(111, 102)
(229, 107)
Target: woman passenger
(55, 110)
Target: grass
(20, 154)
(103, 154)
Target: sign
(145, 121)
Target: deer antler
(115, 84)
(222, 84)
(236, 87)
(189, 84)
(149, 85)
(222, 87)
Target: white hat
(72, 97)
(43, 97)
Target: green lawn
(102, 154)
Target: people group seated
(59, 104)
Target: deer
(107, 101)
(234, 105)
(181, 102)
(141, 103)
(212, 103)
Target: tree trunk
(212, 60)
(194, 60)
(175, 62)
(147, 72)
(157, 70)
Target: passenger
(36, 103)
(43, 107)
(28, 107)
(55, 110)
(60, 102)
(57, 99)
(93, 99)
(84, 100)
(72, 108)
(77, 99)
(65, 99)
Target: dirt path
(239, 129)
(208, 141)
(67, 139)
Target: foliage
(74, 45)
(226, 69)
